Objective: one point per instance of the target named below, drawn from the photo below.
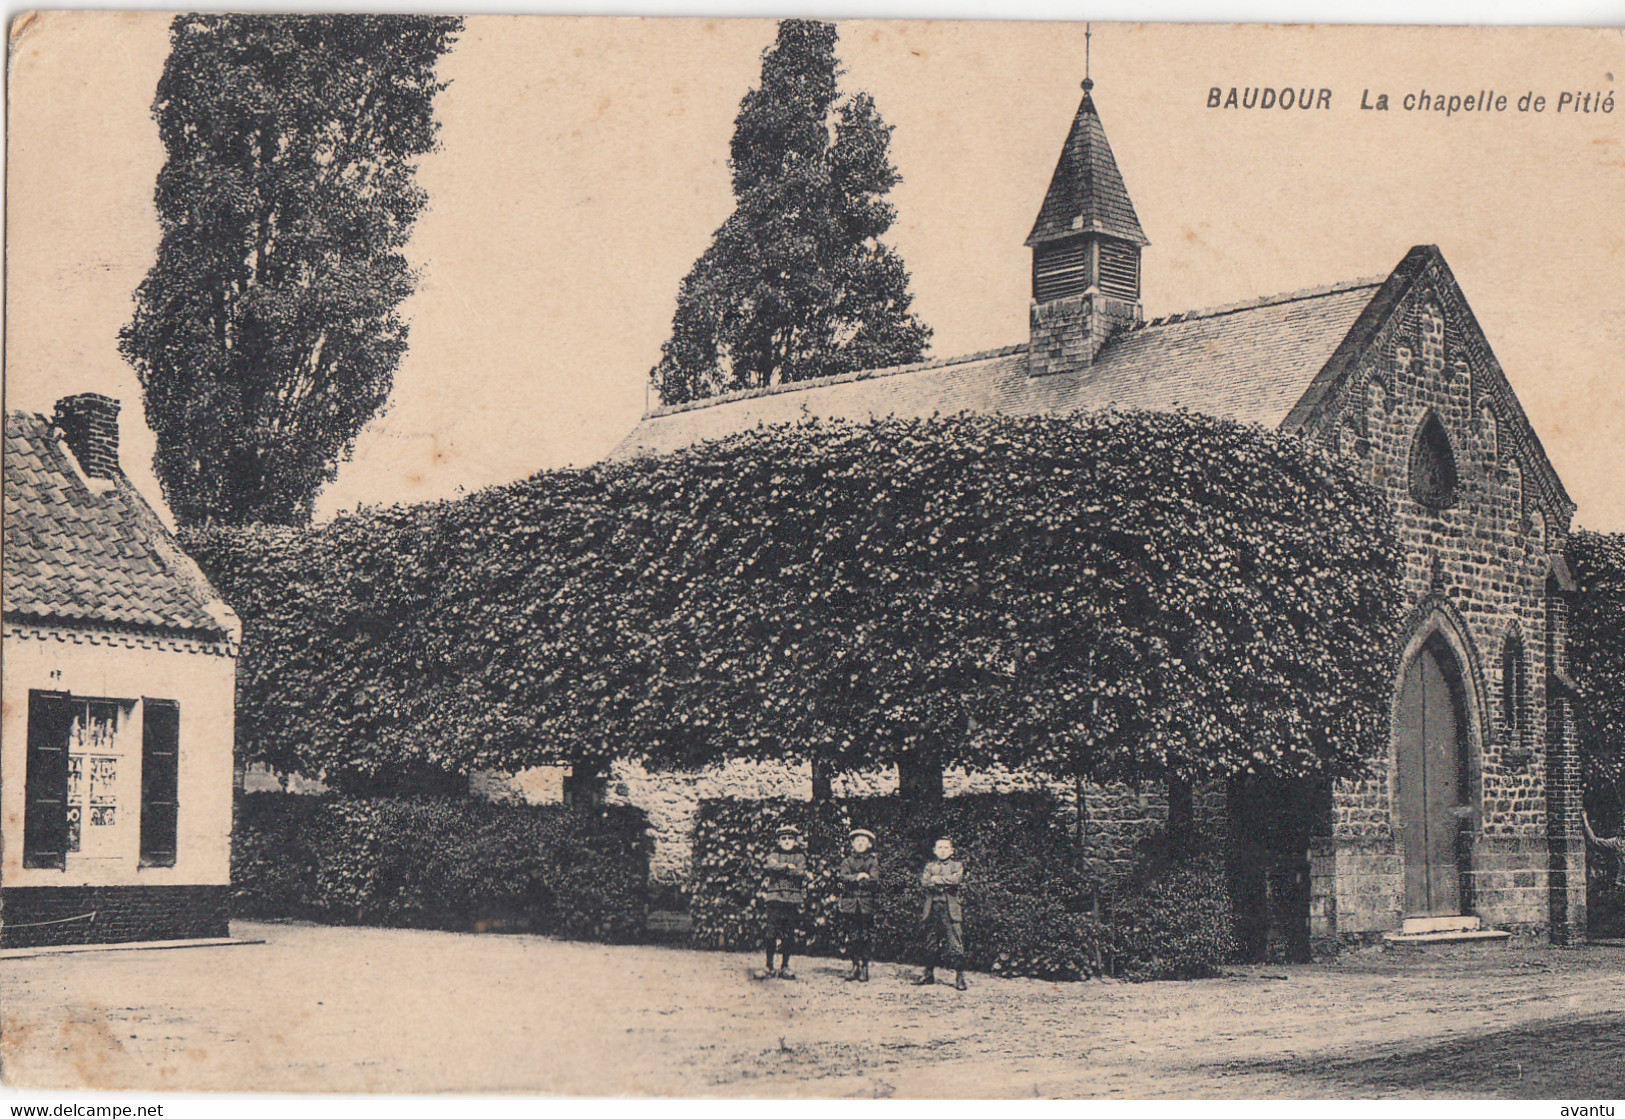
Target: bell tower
(1086, 252)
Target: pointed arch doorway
(1430, 746)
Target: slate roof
(1086, 194)
(92, 556)
(1250, 362)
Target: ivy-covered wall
(442, 862)
(1112, 596)
(1597, 659)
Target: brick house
(120, 675)
(1476, 811)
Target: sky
(582, 169)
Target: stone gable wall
(1482, 562)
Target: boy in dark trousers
(860, 875)
(941, 928)
(783, 893)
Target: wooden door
(1429, 733)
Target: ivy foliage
(1597, 658)
(442, 862)
(1108, 596)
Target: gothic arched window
(1433, 465)
(1513, 683)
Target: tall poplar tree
(267, 334)
(797, 283)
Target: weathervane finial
(1088, 82)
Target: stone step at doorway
(1424, 931)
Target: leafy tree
(266, 335)
(1597, 656)
(796, 283)
(1113, 596)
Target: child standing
(860, 874)
(783, 893)
(941, 928)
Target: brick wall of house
(1482, 563)
(40, 916)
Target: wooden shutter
(160, 780)
(1120, 270)
(45, 792)
(1060, 269)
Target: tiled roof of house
(93, 555)
(1250, 362)
(1086, 194)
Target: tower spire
(1086, 193)
(1086, 246)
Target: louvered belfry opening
(1060, 269)
(1071, 267)
(1120, 269)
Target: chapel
(1471, 827)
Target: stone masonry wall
(1481, 564)
(1115, 819)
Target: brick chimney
(89, 423)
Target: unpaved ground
(323, 1009)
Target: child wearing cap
(783, 893)
(940, 921)
(860, 874)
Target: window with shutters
(1120, 270)
(1060, 269)
(74, 795)
(160, 772)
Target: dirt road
(324, 1009)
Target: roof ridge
(1263, 301)
(834, 379)
(1006, 351)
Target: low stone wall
(672, 800)
(1116, 819)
